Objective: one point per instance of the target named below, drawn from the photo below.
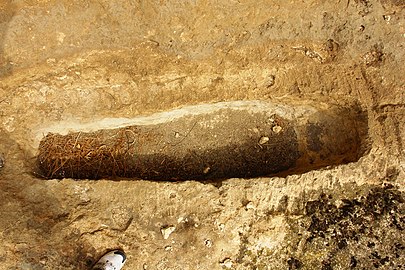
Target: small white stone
(339, 203)
(167, 231)
(182, 220)
(206, 170)
(263, 140)
(227, 263)
(277, 129)
(250, 205)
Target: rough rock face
(65, 63)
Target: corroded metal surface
(211, 145)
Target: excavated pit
(75, 73)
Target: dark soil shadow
(34, 218)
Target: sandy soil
(85, 61)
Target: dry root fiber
(225, 143)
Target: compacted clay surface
(65, 65)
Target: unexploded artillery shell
(209, 142)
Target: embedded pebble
(250, 205)
(271, 81)
(227, 263)
(121, 218)
(206, 170)
(221, 227)
(263, 140)
(277, 129)
(167, 231)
